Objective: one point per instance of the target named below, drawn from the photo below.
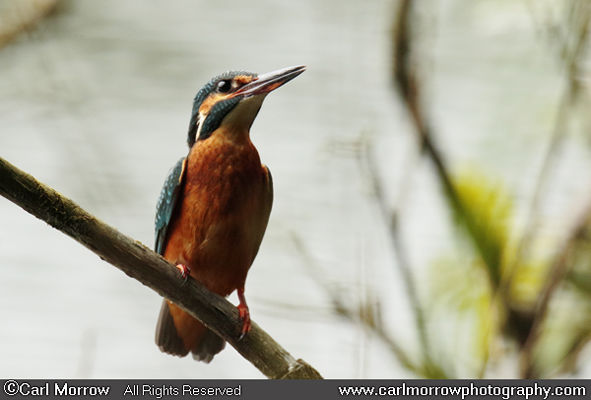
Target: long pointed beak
(270, 81)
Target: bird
(215, 204)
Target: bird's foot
(244, 315)
(185, 271)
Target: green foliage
(482, 290)
(485, 211)
(527, 280)
(460, 291)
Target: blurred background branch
(572, 47)
(405, 74)
(484, 228)
(577, 238)
(366, 313)
(21, 16)
(485, 213)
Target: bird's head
(233, 99)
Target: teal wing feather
(167, 337)
(167, 202)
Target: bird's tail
(177, 333)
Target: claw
(245, 317)
(244, 314)
(184, 270)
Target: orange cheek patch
(210, 101)
(214, 98)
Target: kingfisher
(215, 204)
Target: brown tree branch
(571, 59)
(141, 263)
(409, 90)
(554, 278)
(23, 16)
(408, 86)
(524, 325)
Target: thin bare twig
(571, 59)
(345, 311)
(553, 280)
(390, 217)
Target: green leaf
(485, 213)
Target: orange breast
(223, 213)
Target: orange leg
(243, 313)
(185, 271)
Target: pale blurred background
(95, 100)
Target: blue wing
(167, 203)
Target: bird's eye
(224, 86)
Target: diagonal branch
(141, 263)
(571, 60)
(409, 90)
(22, 16)
(553, 280)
